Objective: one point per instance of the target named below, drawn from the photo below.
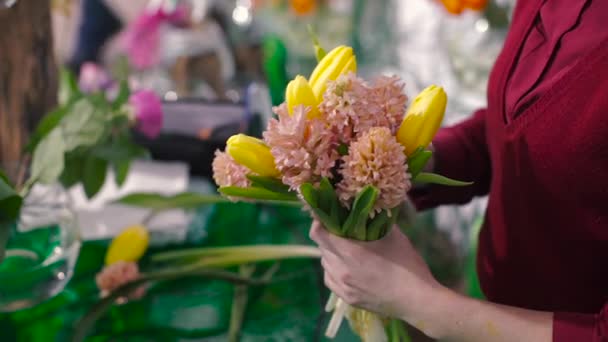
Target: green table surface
(196, 309)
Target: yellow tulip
(252, 153)
(129, 245)
(422, 119)
(338, 61)
(299, 92)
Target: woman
(540, 150)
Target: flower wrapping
(349, 151)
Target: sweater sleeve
(461, 153)
(569, 327)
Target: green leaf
(68, 87)
(94, 175)
(10, 201)
(433, 178)
(269, 183)
(10, 205)
(157, 202)
(324, 192)
(118, 150)
(311, 196)
(343, 149)
(48, 123)
(378, 225)
(123, 95)
(73, 170)
(417, 162)
(355, 225)
(121, 171)
(4, 177)
(336, 212)
(256, 193)
(48, 159)
(84, 125)
(319, 51)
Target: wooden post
(28, 73)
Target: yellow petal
(252, 153)
(325, 62)
(423, 119)
(298, 93)
(351, 66)
(342, 62)
(129, 245)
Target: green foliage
(48, 159)
(432, 178)
(417, 161)
(77, 142)
(356, 223)
(123, 96)
(157, 202)
(257, 194)
(10, 201)
(268, 183)
(93, 175)
(68, 87)
(10, 205)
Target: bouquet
(345, 148)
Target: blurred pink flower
(93, 78)
(227, 172)
(142, 37)
(375, 158)
(148, 112)
(304, 150)
(117, 274)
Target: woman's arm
(389, 277)
(461, 152)
(453, 317)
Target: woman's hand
(389, 277)
(385, 276)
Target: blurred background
(219, 67)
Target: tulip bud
(299, 92)
(129, 246)
(339, 61)
(422, 119)
(252, 153)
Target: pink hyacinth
(304, 150)
(93, 78)
(375, 158)
(352, 107)
(116, 275)
(148, 112)
(227, 172)
(390, 97)
(347, 107)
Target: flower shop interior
(150, 189)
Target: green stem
(83, 325)
(239, 305)
(394, 331)
(282, 251)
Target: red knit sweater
(540, 151)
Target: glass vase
(42, 249)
